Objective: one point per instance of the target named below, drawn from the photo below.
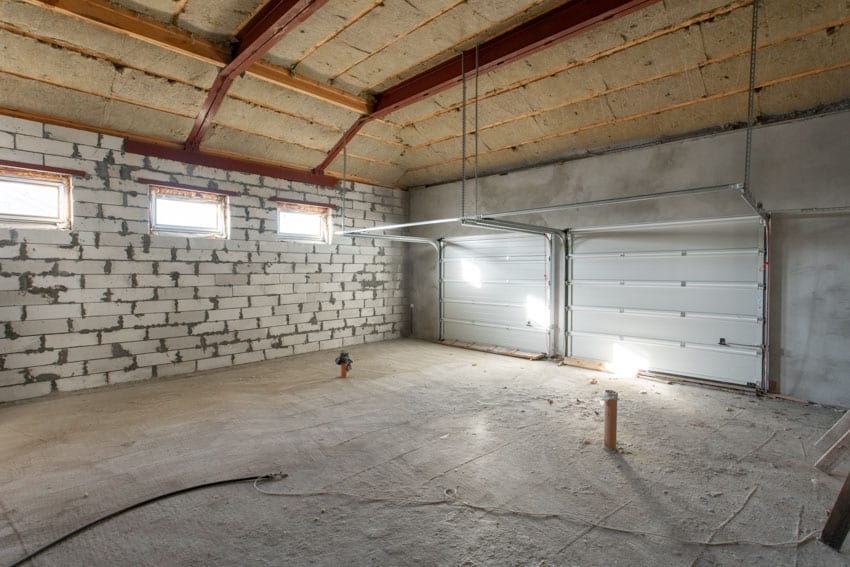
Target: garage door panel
(737, 366)
(728, 234)
(483, 270)
(691, 329)
(503, 246)
(494, 291)
(719, 300)
(730, 266)
(529, 340)
(510, 315)
(665, 295)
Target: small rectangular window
(188, 211)
(304, 221)
(38, 199)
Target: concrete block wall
(107, 302)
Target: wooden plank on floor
(838, 523)
(832, 455)
(516, 353)
(584, 363)
(835, 432)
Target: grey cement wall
(108, 302)
(795, 164)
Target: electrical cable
(116, 513)
(256, 482)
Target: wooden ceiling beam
(556, 25)
(105, 15)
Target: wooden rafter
(126, 22)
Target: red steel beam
(266, 28)
(226, 162)
(568, 20)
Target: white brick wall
(108, 303)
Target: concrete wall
(795, 164)
(107, 302)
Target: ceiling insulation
(143, 69)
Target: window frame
(190, 195)
(285, 206)
(65, 202)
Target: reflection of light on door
(470, 273)
(536, 312)
(626, 361)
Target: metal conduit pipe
(554, 282)
(418, 240)
(554, 208)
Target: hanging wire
(751, 97)
(342, 185)
(476, 130)
(463, 139)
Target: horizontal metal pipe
(812, 211)
(398, 238)
(554, 208)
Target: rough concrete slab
(164, 11)
(48, 100)
(487, 440)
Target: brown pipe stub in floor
(609, 400)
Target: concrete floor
(426, 455)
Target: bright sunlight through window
(304, 222)
(34, 198)
(188, 211)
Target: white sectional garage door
(666, 297)
(494, 291)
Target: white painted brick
(95, 323)
(123, 335)
(217, 362)
(35, 312)
(70, 340)
(24, 391)
(12, 377)
(21, 156)
(175, 369)
(40, 327)
(81, 382)
(109, 364)
(123, 376)
(26, 360)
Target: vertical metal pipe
(765, 374)
(441, 288)
(463, 139)
(609, 399)
(568, 293)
